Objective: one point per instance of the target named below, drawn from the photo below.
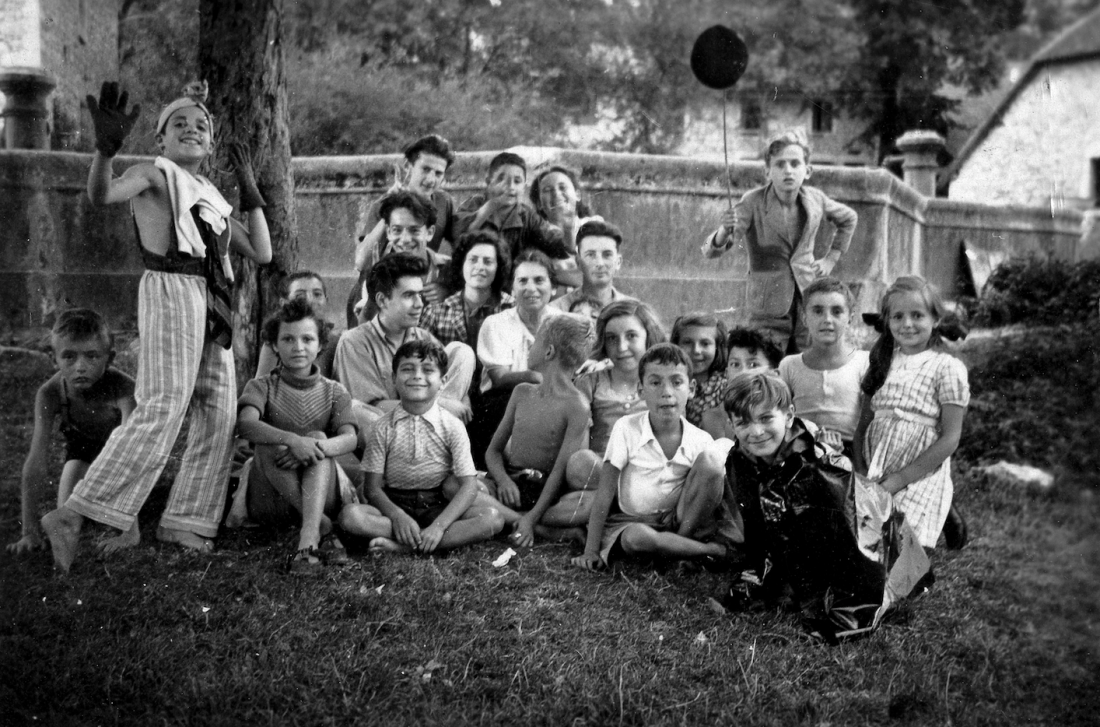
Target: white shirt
(505, 341)
(649, 482)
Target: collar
(433, 416)
(772, 197)
(299, 382)
(648, 435)
(376, 327)
(800, 442)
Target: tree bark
(241, 57)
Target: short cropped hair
(703, 319)
(385, 273)
(80, 324)
(599, 228)
(465, 243)
(793, 137)
(749, 391)
(754, 341)
(506, 158)
(654, 333)
(531, 255)
(828, 285)
(570, 335)
(291, 312)
(423, 349)
(419, 206)
(433, 144)
(284, 288)
(664, 354)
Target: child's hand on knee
(406, 531)
(26, 544)
(588, 562)
(430, 538)
(306, 451)
(508, 493)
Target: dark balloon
(719, 57)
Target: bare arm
(866, 415)
(503, 377)
(345, 441)
(304, 449)
(601, 505)
(405, 529)
(254, 241)
(494, 456)
(951, 420)
(36, 468)
(460, 503)
(104, 189)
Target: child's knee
(317, 435)
(582, 472)
(460, 355)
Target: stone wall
(57, 250)
(1040, 154)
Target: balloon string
(726, 149)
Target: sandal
(306, 561)
(333, 551)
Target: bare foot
(185, 538)
(378, 546)
(128, 539)
(62, 527)
(26, 544)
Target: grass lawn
(1010, 634)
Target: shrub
(1039, 290)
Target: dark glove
(241, 160)
(112, 123)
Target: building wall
(57, 250)
(1040, 153)
(20, 41)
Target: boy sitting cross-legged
(412, 451)
(656, 473)
(542, 427)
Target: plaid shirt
(448, 322)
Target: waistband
(908, 416)
(174, 262)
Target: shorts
(83, 449)
(266, 505)
(617, 522)
(530, 484)
(424, 506)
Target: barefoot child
(298, 421)
(662, 506)
(703, 336)
(914, 399)
(185, 233)
(411, 453)
(90, 399)
(543, 426)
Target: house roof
(1078, 42)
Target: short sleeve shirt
(505, 341)
(418, 452)
(649, 482)
(299, 404)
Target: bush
(1039, 290)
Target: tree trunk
(241, 57)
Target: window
(752, 118)
(822, 117)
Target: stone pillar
(26, 117)
(921, 148)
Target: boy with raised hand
(423, 171)
(542, 427)
(656, 473)
(778, 224)
(90, 399)
(410, 222)
(413, 450)
(599, 258)
(364, 355)
(502, 209)
(185, 364)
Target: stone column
(920, 148)
(26, 116)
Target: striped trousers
(179, 372)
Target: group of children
(619, 440)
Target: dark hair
(794, 137)
(703, 319)
(599, 228)
(882, 353)
(589, 300)
(583, 209)
(751, 390)
(433, 144)
(754, 341)
(424, 349)
(291, 312)
(385, 273)
(82, 323)
(654, 333)
(284, 288)
(570, 335)
(827, 285)
(664, 354)
(505, 159)
(417, 204)
(532, 255)
(465, 243)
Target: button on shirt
(418, 452)
(649, 482)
